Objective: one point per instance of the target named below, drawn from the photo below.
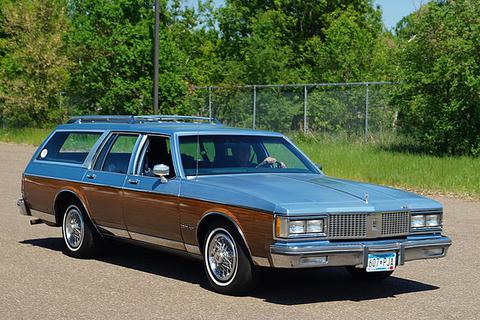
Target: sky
(393, 10)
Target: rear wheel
(228, 268)
(362, 274)
(80, 237)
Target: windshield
(227, 154)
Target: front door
(104, 182)
(151, 206)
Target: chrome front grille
(347, 225)
(368, 225)
(395, 223)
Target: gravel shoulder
(38, 281)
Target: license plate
(381, 261)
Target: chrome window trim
(87, 158)
(102, 146)
(177, 136)
(93, 151)
(315, 167)
(140, 155)
(140, 152)
(99, 150)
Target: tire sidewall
(83, 225)
(211, 276)
(91, 241)
(245, 277)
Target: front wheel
(226, 262)
(80, 237)
(362, 274)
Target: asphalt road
(37, 281)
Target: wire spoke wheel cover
(73, 228)
(221, 257)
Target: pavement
(38, 281)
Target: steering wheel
(276, 164)
(265, 164)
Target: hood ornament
(366, 198)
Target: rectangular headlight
(432, 220)
(426, 221)
(315, 226)
(417, 221)
(291, 227)
(296, 226)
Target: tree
(439, 76)
(111, 44)
(353, 47)
(303, 41)
(33, 64)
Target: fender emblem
(187, 226)
(366, 198)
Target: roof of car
(170, 126)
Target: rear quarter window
(69, 147)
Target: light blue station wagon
(239, 200)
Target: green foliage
(111, 47)
(33, 64)
(64, 57)
(307, 41)
(376, 163)
(439, 76)
(99, 54)
(353, 48)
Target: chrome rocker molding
(326, 254)
(157, 241)
(110, 231)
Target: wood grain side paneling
(256, 226)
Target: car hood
(310, 194)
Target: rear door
(103, 183)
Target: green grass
(373, 162)
(30, 136)
(457, 176)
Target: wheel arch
(209, 218)
(62, 198)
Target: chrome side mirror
(161, 170)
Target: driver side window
(156, 151)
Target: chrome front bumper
(22, 207)
(314, 254)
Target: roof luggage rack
(142, 119)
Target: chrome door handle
(91, 176)
(133, 181)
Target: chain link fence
(354, 109)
